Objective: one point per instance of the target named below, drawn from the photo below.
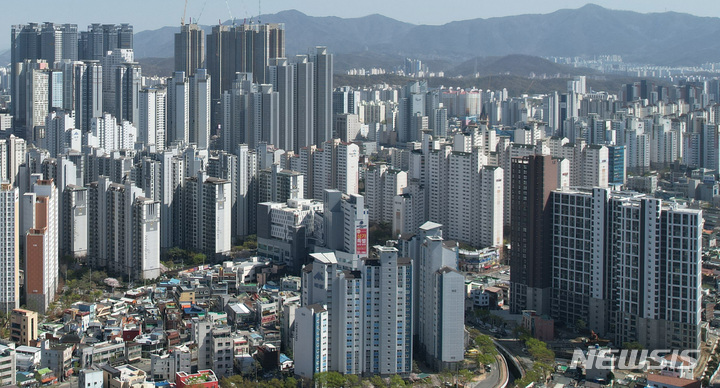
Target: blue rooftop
(284, 358)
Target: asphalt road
(495, 377)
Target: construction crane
(182, 21)
(230, 12)
(197, 19)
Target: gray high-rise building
(190, 49)
(128, 82)
(250, 114)
(178, 108)
(199, 114)
(94, 43)
(304, 103)
(34, 42)
(281, 75)
(323, 94)
(248, 48)
(88, 94)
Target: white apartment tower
(335, 166)
(381, 187)
(205, 219)
(123, 230)
(439, 302)
(346, 227)
(658, 244)
(629, 266)
(178, 109)
(10, 254)
(151, 122)
(312, 340)
(75, 221)
(59, 127)
(578, 258)
(388, 313)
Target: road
(496, 377)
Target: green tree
(633, 345)
(290, 382)
(486, 350)
(581, 325)
(352, 381)
(446, 376)
(377, 381)
(465, 376)
(531, 376)
(329, 379)
(415, 367)
(539, 351)
(235, 381)
(197, 259)
(522, 333)
(396, 381)
(484, 359)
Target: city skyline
(253, 214)
(158, 15)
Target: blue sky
(152, 14)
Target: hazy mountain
(660, 38)
(515, 64)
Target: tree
(464, 376)
(484, 359)
(352, 381)
(486, 350)
(522, 333)
(396, 381)
(581, 325)
(415, 367)
(377, 381)
(329, 379)
(539, 351)
(531, 376)
(633, 345)
(235, 381)
(197, 258)
(446, 376)
(291, 382)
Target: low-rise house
(27, 358)
(7, 363)
(165, 366)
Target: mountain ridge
(661, 38)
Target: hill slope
(660, 38)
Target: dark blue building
(616, 165)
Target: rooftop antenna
(259, 10)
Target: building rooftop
(325, 257)
(673, 381)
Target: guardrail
(514, 366)
(501, 360)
